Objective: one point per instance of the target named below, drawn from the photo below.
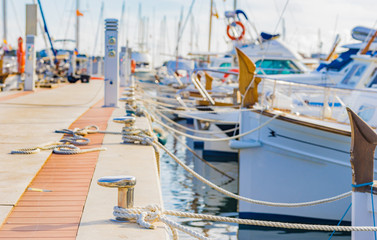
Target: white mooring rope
(249, 200)
(149, 214)
(215, 139)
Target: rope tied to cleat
(67, 144)
(147, 216)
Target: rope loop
(147, 216)
(76, 140)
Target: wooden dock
(51, 196)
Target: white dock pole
(122, 62)
(72, 65)
(363, 145)
(128, 66)
(111, 63)
(30, 64)
(90, 66)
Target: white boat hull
(294, 163)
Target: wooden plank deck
(57, 214)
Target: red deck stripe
(57, 214)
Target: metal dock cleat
(131, 88)
(125, 185)
(130, 102)
(128, 128)
(128, 93)
(128, 121)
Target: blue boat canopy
(267, 36)
(341, 61)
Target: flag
(76, 52)
(79, 14)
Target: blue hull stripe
(285, 218)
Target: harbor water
(182, 192)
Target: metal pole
(77, 24)
(122, 62)
(4, 20)
(128, 67)
(111, 63)
(210, 29)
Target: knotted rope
(147, 216)
(150, 214)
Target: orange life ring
(133, 66)
(233, 24)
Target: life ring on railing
(234, 24)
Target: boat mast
(235, 5)
(100, 20)
(4, 21)
(77, 24)
(210, 28)
(122, 27)
(140, 29)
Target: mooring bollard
(363, 144)
(111, 63)
(130, 104)
(128, 128)
(128, 93)
(125, 185)
(30, 64)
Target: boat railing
(215, 70)
(325, 103)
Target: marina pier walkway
(52, 196)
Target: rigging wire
(180, 34)
(69, 22)
(17, 18)
(98, 28)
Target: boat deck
(51, 196)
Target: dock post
(122, 62)
(90, 66)
(128, 67)
(30, 64)
(72, 65)
(363, 144)
(111, 63)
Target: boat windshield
(274, 66)
(353, 76)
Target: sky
(307, 22)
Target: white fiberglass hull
(294, 163)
